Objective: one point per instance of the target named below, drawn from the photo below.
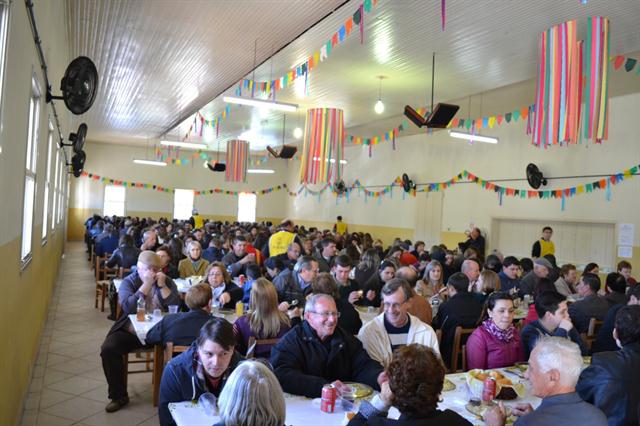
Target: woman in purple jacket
(496, 342)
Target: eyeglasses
(326, 315)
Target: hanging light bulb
(379, 106)
(297, 133)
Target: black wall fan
(77, 163)
(79, 85)
(535, 176)
(407, 184)
(77, 139)
(340, 187)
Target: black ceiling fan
(79, 85)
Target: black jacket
(303, 365)
(612, 383)
(375, 283)
(124, 256)
(349, 318)
(604, 341)
(589, 307)
(464, 310)
(236, 294)
(438, 418)
(181, 329)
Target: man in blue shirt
(554, 369)
(509, 275)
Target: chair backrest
(594, 327)
(459, 340)
(253, 343)
(170, 349)
(101, 270)
(123, 272)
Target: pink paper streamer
(443, 13)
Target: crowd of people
(305, 287)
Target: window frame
(47, 186)
(124, 200)
(5, 15)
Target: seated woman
(225, 292)
(167, 267)
(252, 396)
(488, 282)
(349, 318)
(205, 367)
(416, 376)
(496, 342)
(126, 255)
(371, 297)
(265, 322)
(194, 264)
(431, 283)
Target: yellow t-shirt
(341, 228)
(547, 247)
(198, 221)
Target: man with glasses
(318, 352)
(395, 327)
(158, 292)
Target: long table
(301, 409)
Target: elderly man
(149, 240)
(325, 256)
(296, 284)
(238, 258)
(475, 240)
(554, 369)
(471, 268)
(529, 282)
(317, 352)
(611, 381)
(395, 327)
(158, 292)
(591, 305)
(290, 258)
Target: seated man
(624, 269)
(418, 305)
(395, 327)
(541, 269)
(182, 328)
(318, 352)
(326, 254)
(605, 340)
(158, 291)
(107, 242)
(296, 284)
(205, 367)
(591, 305)
(461, 309)
(213, 252)
(349, 289)
(125, 256)
(553, 320)
(565, 284)
(616, 287)
(349, 319)
(611, 381)
(554, 368)
(290, 258)
(509, 275)
(237, 259)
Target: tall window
(4, 27)
(61, 186)
(182, 204)
(47, 185)
(246, 207)
(30, 170)
(54, 201)
(113, 200)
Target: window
(61, 186)
(246, 207)
(30, 171)
(182, 204)
(113, 200)
(4, 26)
(54, 201)
(47, 185)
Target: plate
(475, 382)
(478, 410)
(359, 390)
(448, 385)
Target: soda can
(489, 390)
(241, 280)
(328, 398)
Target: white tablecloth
(142, 328)
(300, 410)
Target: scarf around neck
(505, 336)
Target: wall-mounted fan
(79, 85)
(77, 139)
(535, 176)
(407, 184)
(77, 163)
(340, 187)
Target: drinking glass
(173, 309)
(207, 403)
(157, 313)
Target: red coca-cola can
(328, 398)
(242, 279)
(489, 389)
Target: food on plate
(448, 385)
(478, 409)
(506, 389)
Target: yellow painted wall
(451, 239)
(25, 299)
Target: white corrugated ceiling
(161, 60)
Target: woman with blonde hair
(225, 292)
(252, 396)
(432, 281)
(488, 282)
(194, 264)
(264, 322)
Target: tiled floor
(68, 386)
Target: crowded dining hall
(206, 224)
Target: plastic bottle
(141, 312)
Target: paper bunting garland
(237, 161)
(629, 63)
(568, 71)
(323, 147)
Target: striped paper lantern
(323, 147)
(237, 160)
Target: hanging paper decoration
(442, 13)
(568, 71)
(237, 161)
(323, 148)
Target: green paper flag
(367, 5)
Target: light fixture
(186, 145)
(259, 103)
(297, 133)
(150, 162)
(472, 137)
(261, 171)
(330, 160)
(379, 106)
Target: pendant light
(379, 106)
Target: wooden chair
(459, 348)
(102, 290)
(253, 343)
(592, 332)
(161, 357)
(142, 356)
(123, 272)
(101, 270)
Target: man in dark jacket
(605, 341)
(611, 381)
(318, 352)
(158, 292)
(349, 319)
(237, 259)
(509, 275)
(461, 309)
(349, 289)
(296, 284)
(126, 255)
(590, 306)
(290, 258)
(205, 367)
(182, 328)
